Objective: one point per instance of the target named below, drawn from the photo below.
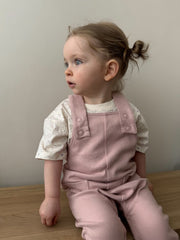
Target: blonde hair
(109, 40)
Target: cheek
(82, 73)
(79, 75)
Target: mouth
(71, 84)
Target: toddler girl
(102, 139)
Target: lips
(71, 84)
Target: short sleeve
(53, 144)
(142, 130)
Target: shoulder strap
(126, 115)
(79, 116)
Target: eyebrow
(76, 55)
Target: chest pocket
(88, 139)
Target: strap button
(128, 128)
(125, 115)
(78, 119)
(80, 132)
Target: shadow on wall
(177, 166)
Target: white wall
(32, 34)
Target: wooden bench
(19, 217)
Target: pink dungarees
(100, 171)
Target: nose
(68, 72)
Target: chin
(75, 91)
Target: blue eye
(77, 61)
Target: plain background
(32, 83)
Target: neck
(98, 99)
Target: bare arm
(52, 175)
(140, 160)
(50, 207)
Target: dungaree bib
(102, 145)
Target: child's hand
(50, 211)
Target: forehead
(77, 44)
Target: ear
(112, 67)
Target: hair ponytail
(139, 50)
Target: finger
(55, 220)
(49, 222)
(43, 221)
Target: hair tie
(127, 52)
(130, 50)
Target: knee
(158, 227)
(164, 230)
(105, 230)
(112, 229)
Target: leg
(146, 218)
(97, 216)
